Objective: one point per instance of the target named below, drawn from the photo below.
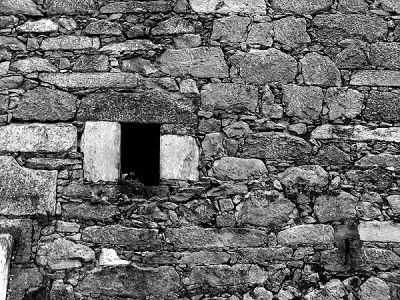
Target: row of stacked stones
(280, 148)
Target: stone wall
(280, 148)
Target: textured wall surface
(280, 149)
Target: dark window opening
(140, 153)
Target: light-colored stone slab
(37, 137)
(101, 143)
(306, 234)
(179, 158)
(6, 244)
(376, 77)
(229, 6)
(109, 257)
(233, 168)
(376, 231)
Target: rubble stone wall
(280, 149)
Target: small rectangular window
(140, 152)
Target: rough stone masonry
(279, 149)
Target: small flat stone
(40, 26)
(11, 82)
(86, 211)
(173, 25)
(307, 235)
(91, 63)
(320, 70)
(229, 6)
(302, 7)
(33, 64)
(70, 7)
(232, 168)
(136, 7)
(376, 78)
(103, 27)
(70, 42)
(12, 43)
(50, 163)
(130, 46)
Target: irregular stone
(312, 177)
(187, 41)
(229, 6)
(356, 133)
(130, 46)
(261, 34)
(205, 238)
(337, 27)
(228, 189)
(12, 43)
(383, 160)
(302, 102)
(343, 103)
(61, 291)
(68, 23)
(382, 106)
(33, 64)
(21, 231)
(331, 155)
(90, 63)
(70, 42)
(204, 258)
(90, 80)
(265, 66)
(376, 78)
(142, 107)
(232, 29)
(132, 238)
(376, 231)
(8, 21)
(212, 144)
(200, 62)
(335, 207)
(262, 255)
(38, 137)
(353, 6)
(320, 70)
(63, 254)
(4, 67)
(22, 280)
(70, 7)
(109, 257)
(173, 25)
(139, 65)
(375, 289)
(394, 202)
(384, 55)
(259, 293)
(211, 278)
(40, 26)
(229, 96)
(86, 211)
(351, 58)
(136, 7)
(23, 7)
(4, 99)
(291, 32)
(11, 82)
(368, 210)
(103, 27)
(265, 208)
(232, 168)
(44, 104)
(137, 282)
(67, 227)
(374, 258)
(237, 130)
(391, 5)
(307, 235)
(182, 164)
(188, 86)
(370, 179)
(302, 7)
(276, 146)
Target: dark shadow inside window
(140, 153)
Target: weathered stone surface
(4, 100)
(237, 130)
(33, 64)
(136, 7)
(91, 80)
(376, 78)
(301, 7)
(199, 62)
(391, 5)
(136, 282)
(291, 32)
(335, 207)
(8, 21)
(40, 26)
(394, 202)
(23, 280)
(265, 208)
(276, 146)
(229, 6)
(70, 7)
(264, 66)
(351, 58)
(86, 211)
(11, 82)
(356, 133)
(232, 29)
(261, 34)
(173, 25)
(370, 179)
(229, 96)
(63, 254)
(130, 46)
(320, 70)
(101, 144)
(336, 27)
(14, 7)
(12, 43)
(343, 103)
(187, 41)
(262, 255)
(232, 168)
(382, 106)
(142, 107)
(376, 231)
(70, 42)
(385, 55)
(25, 191)
(21, 230)
(352, 6)
(223, 276)
(383, 160)
(313, 177)
(38, 137)
(132, 238)
(90, 63)
(62, 291)
(103, 27)
(302, 102)
(375, 289)
(44, 104)
(109, 257)
(375, 258)
(205, 238)
(182, 164)
(307, 235)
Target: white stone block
(101, 146)
(109, 257)
(376, 231)
(179, 158)
(6, 243)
